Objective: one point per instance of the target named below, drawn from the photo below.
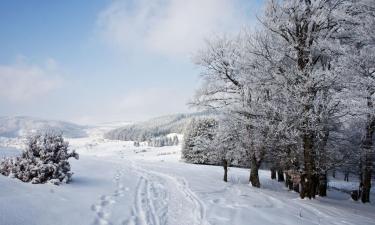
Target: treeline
(154, 128)
(160, 141)
(298, 93)
(163, 141)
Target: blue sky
(93, 61)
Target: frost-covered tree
(306, 31)
(198, 138)
(45, 159)
(175, 140)
(360, 63)
(226, 145)
(229, 89)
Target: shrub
(45, 159)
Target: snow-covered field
(117, 183)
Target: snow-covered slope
(155, 127)
(12, 127)
(117, 183)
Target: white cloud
(23, 81)
(165, 99)
(137, 104)
(144, 103)
(170, 27)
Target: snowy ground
(116, 183)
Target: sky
(93, 61)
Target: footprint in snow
(102, 217)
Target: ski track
(181, 199)
(160, 199)
(150, 204)
(199, 211)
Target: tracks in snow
(103, 207)
(160, 199)
(150, 203)
(165, 199)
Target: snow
(117, 183)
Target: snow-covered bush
(45, 159)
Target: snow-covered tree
(306, 54)
(227, 88)
(226, 145)
(198, 137)
(360, 64)
(45, 159)
(175, 140)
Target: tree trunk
(346, 178)
(225, 165)
(273, 173)
(296, 187)
(366, 186)
(368, 153)
(288, 182)
(303, 192)
(323, 184)
(320, 180)
(280, 175)
(254, 177)
(315, 185)
(308, 186)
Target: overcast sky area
(92, 61)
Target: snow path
(165, 191)
(150, 205)
(159, 199)
(157, 193)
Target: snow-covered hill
(160, 126)
(12, 127)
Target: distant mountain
(19, 126)
(156, 127)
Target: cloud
(137, 104)
(169, 27)
(158, 99)
(22, 81)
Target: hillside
(156, 127)
(12, 127)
